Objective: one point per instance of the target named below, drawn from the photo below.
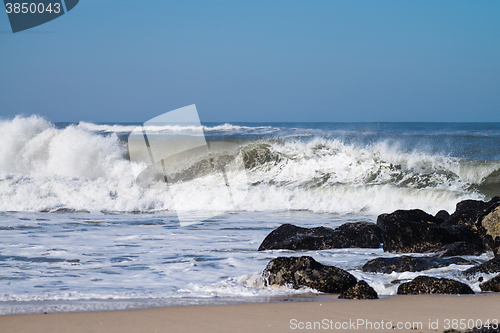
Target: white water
(43, 168)
(46, 256)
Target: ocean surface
(78, 232)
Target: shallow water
(46, 256)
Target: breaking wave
(85, 167)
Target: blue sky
(257, 61)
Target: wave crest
(45, 168)
(34, 147)
(323, 163)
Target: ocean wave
(173, 128)
(43, 168)
(34, 147)
(326, 163)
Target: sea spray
(85, 167)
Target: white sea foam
(54, 257)
(45, 168)
(33, 147)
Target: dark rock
(410, 264)
(457, 249)
(431, 285)
(348, 235)
(307, 272)
(409, 231)
(463, 233)
(360, 291)
(291, 237)
(469, 214)
(414, 215)
(489, 227)
(491, 285)
(415, 231)
(358, 235)
(491, 266)
(442, 215)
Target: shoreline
(13, 308)
(325, 311)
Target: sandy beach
(422, 313)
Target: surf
(84, 166)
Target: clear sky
(257, 61)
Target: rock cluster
(415, 231)
(472, 229)
(474, 223)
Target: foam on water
(47, 256)
(62, 257)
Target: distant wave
(85, 167)
(158, 129)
